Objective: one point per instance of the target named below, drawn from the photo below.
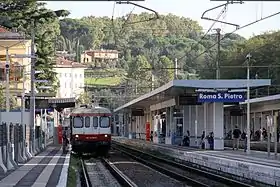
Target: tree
(21, 14)
(13, 103)
(140, 70)
(165, 71)
(84, 98)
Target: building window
(65, 74)
(81, 75)
(65, 85)
(75, 75)
(76, 86)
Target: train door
(104, 124)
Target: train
(90, 130)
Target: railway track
(190, 175)
(95, 173)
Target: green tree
(165, 71)
(21, 14)
(13, 103)
(140, 70)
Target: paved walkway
(47, 169)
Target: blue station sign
(223, 97)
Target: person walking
(236, 136)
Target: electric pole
(153, 81)
(32, 94)
(175, 69)
(7, 68)
(218, 53)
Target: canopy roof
(188, 87)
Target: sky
(239, 14)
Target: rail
(85, 181)
(121, 178)
(211, 176)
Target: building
(11, 44)
(71, 78)
(97, 57)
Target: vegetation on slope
(148, 48)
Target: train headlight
(76, 136)
(106, 135)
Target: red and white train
(90, 129)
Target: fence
(20, 136)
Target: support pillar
(218, 125)
(186, 121)
(193, 125)
(115, 125)
(169, 121)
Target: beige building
(98, 57)
(71, 78)
(13, 43)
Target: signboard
(233, 97)
(188, 100)
(39, 104)
(137, 112)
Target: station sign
(223, 97)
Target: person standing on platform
(211, 140)
(244, 137)
(203, 140)
(152, 136)
(236, 136)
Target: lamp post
(248, 59)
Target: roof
(4, 29)
(64, 63)
(90, 52)
(260, 100)
(6, 33)
(181, 87)
(93, 109)
(62, 100)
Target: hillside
(104, 77)
(150, 47)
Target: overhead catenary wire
(228, 34)
(206, 33)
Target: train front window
(104, 122)
(87, 122)
(95, 122)
(78, 122)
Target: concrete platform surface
(255, 166)
(43, 170)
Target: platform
(48, 169)
(256, 166)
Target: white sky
(240, 14)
